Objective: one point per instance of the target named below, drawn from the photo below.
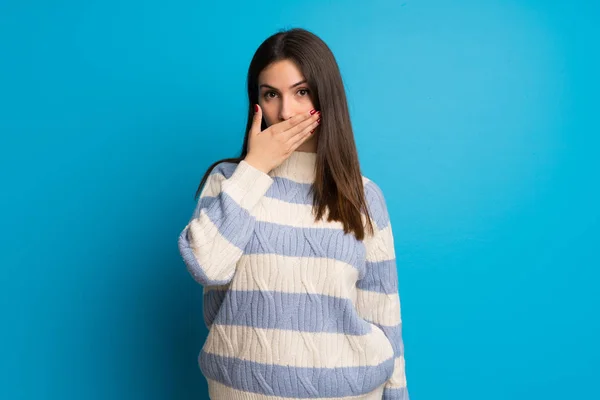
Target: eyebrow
(291, 87)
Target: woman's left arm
(378, 299)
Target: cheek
(268, 112)
(307, 103)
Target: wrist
(257, 165)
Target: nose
(285, 112)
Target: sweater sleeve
(222, 224)
(378, 299)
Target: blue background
(479, 120)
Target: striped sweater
(295, 308)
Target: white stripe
(212, 187)
(215, 254)
(298, 348)
(291, 214)
(379, 308)
(300, 178)
(217, 183)
(381, 246)
(269, 209)
(217, 390)
(301, 175)
(322, 276)
(398, 378)
(281, 273)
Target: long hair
(338, 185)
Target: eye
(266, 94)
(306, 91)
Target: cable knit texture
(295, 308)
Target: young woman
(294, 247)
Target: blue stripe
(294, 192)
(376, 204)
(273, 238)
(380, 276)
(235, 224)
(281, 189)
(211, 303)
(297, 382)
(307, 242)
(259, 237)
(395, 394)
(233, 221)
(224, 168)
(290, 191)
(290, 311)
(300, 193)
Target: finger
(256, 120)
(299, 138)
(295, 120)
(290, 133)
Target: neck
(298, 167)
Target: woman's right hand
(269, 148)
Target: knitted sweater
(295, 308)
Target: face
(283, 92)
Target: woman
(294, 247)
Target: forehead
(280, 74)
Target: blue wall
(478, 119)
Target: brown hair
(338, 185)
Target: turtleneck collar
(298, 167)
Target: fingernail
(319, 112)
(319, 121)
(311, 132)
(256, 108)
(313, 111)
